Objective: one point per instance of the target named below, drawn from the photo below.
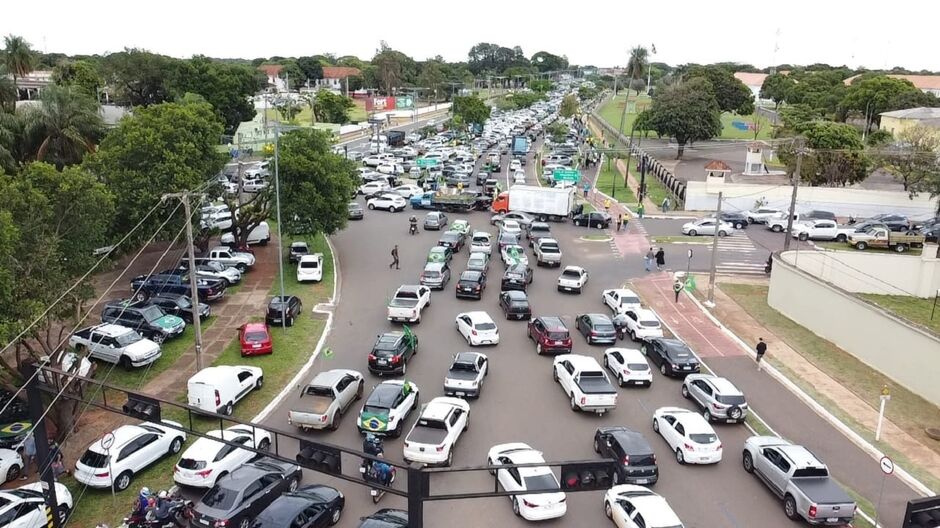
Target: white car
(477, 328)
(482, 242)
(583, 381)
(132, 448)
(510, 226)
(518, 177)
(206, 460)
(391, 168)
(25, 506)
(761, 214)
(310, 268)
(387, 408)
(688, 434)
(620, 300)
(628, 366)
(373, 187)
(641, 324)
(253, 185)
(408, 190)
(632, 506)
(11, 465)
(466, 374)
(572, 279)
(115, 344)
(515, 165)
(436, 431)
(537, 507)
(707, 226)
(514, 254)
(389, 202)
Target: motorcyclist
(142, 503)
(382, 472)
(163, 506)
(620, 324)
(414, 224)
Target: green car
(440, 254)
(461, 226)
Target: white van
(310, 268)
(261, 234)
(217, 389)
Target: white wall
(873, 272)
(702, 196)
(902, 352)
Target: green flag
(409, 335)
(690, 284)
(327, 353)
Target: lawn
(907, 410)
(913, 309)
(729, 131)
(356, 114)
(842, 246)
(612, 178)
(292, 348)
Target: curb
(856, 439)
(316, 350)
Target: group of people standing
(658, 257)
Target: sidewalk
(632, 182)
(708, 340)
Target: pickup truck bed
(596, 386)
(821, 490)
(403, 303)
(427, 435)
(461, 374)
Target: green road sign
(427, 162)
(566, 175)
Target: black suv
(145, 286)
(673, 357)
(147, 319)
(283, 310)
(391, 352)
(237, 498)
(636, 462)
(180, 305)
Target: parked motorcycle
(172, 511)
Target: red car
(255, 339)
(550, 335)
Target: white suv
(114, 459)
(206, 460)
(310, 268)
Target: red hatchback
(550, 335)
(255, 339)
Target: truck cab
(433, 436)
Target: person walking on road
(665, 205)
(761, 350)
(587, 188)
(394, 257)
(660, 259)
(648, 260)
(619, 222)
(640, 210)
(29, 454)
(607, 205)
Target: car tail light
(812, 511)
(626, 460)
(218, 398)
(323, 418)
(105, 474)
(593, 333)
(204, 473)
(474, 332)
(690, 447)
(396, 359)
(440, 448)
(719, 447)
(529, 504)
(583, 400)
(371, 357)
(221, 524)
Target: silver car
(718, 397)
(478, 261)
(435, 275)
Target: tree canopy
(730, 93)
(471, 109)
(687, 112)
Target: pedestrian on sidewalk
(660, 259)
(394, 257)
(619, 222)
(640, 209)
(587, 187)
(677, 287)
(665, 205)
(58, 459)
(607, 205)
(761, 350)
(29, 454)
(648, 260)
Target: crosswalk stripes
(737, 255)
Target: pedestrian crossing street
(737, 255)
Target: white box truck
(544, 203)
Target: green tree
(165, 148)
(311, 67)
(557, 131)
(227, 87)
(332, 108)
(870, 96)
(471, 109)
(393, 68)
(569, 106)
(292, 74)
(637, 65)
(7, 91)
(139, 78)
(18, 56)
(913, 159)
(835, 157)
(796, 118)
(730, 93)
(777, 88)
(547, 62)
(80, 74)
(10, 132)
(644, 122)
(64, 127)
(287, 107)
(432, 76)
(542, 85)
(821, 90)
(687, 112)
(315, 183)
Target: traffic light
(319, 457)
(143, 407)
(586, 476)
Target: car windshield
(93, 459)
(183, 302)
(703, 438)
(469, 367)
(433, 274)
(640, 367)
(256, 336)
(540, 482)
(650, 324)
(734, 399)
(570, 274)
(558, 335)
(151, 313)
(309, 264)
(626, 299)
(128, 339)
(189, 463)
(220, 498)
(485, 326)
(549, 248)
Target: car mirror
(111, 345)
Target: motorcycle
(175, 512)
(413, 229)
(369, 475)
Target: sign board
(404, 102)
(380, 104)
(887, 465)
(107, 441)
(427, 162)
(572, 175)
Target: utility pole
(280, 241)
(796, 186)
(714, 266)
(193, 285)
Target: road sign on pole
(427, 162)
(887, 465)
(571, 175)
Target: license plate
(642, 481)
(276, 320)
(639, 382)
(686, 367)
(383, 362)
(461, 393)
(729, 420)
(421, 449)
(257, 345)
(203, 521)
(832, 519)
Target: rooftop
(914, 113)
(750, 79)
(339, 72)
(923, 82)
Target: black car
(315, 506)
(386, 518)
(145, 286)
(180, 305)
(517, 277)
(636, 462)
(283, 310)
(451, 239)
(932, 233)
(354, 211)
(895, 222)
(673, 357)
(297, 250)
(471, 285)
(738, 220)
(515, 305)
(391, 352)
(816, 214)
(598, 219)
(536, 231)
(145, 318)
(596, 328)
(240, 496)
(482, 176)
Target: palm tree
(18, 56)
(63, 127)
(637, 64)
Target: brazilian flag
(513, 253)
(410, 336)
(375, 422)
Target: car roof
(434, 266)
(673, 344)
(692, 421)
(629, 354)
(724, 386)
(579, 361)
(468, 357)
(257, 327)
(122, 435)
(799, 455)
(516, 295)
(437, 409)
(385, 393)
(655, 510)
(298, 245)
(471, 275)
(553, 322)
(209, 375)
(329, 377)
(573, 268)
(112, 330)
(645, 314)
(478, 316)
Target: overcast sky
(599, 32)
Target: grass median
(292, 348)
(914, 309)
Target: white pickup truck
(432, 438)
(230, 257)
(822, 230)
(583, 380)
(408, 302)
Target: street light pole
(277, 195)
(711, 272)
